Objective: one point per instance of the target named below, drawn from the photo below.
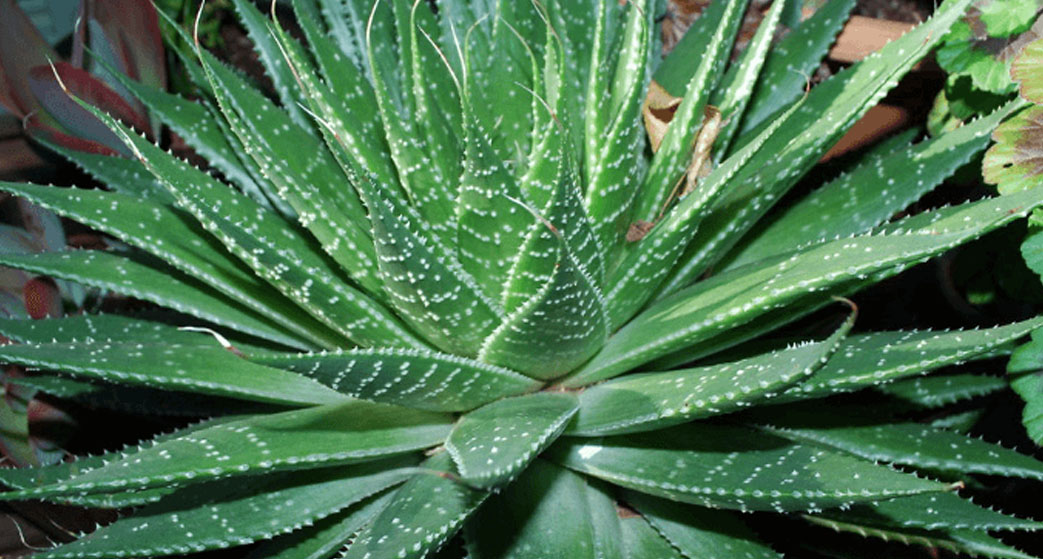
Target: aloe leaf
(491, 221)
(937, 391)
(872, 192)
(326, 537)
(641, 541)
(492, 444)
(207, 370)
(694, 317)
(347, 27)
(547, 512)
(414, 378)
(235, 513)
(272, 248)
(275, 66)
(90, 328)
(331, 435)
(873, 359)
(1026, 379)
(314, 186)
(931, 512)
(970, 542)
(716, 28)
(425, 282)
(127, 275)
(423, 514)
(699, 532)
(734, 92)
(911, 444)
(736, 468)
(169, 235)
(789, 64)
(615, 138)
(651, 401)
(827, 112)
(120, 174)
(198, 127)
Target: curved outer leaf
(650, 401)
(207, 370)
(126, 275)
(326, 537)
(119, 174)
(272, 248)
(872, 359)
(91, 328)
(912, 444)
(423, 514)
(548, 512)
(175, 238)
(937, 391)
(931, 512)
(236, 513)
(295, 440)
(715, 307)
(493, 444)
(736, 468)
(872, 192)
(828, 111)
(699, 532)
(641, 541)
(414, 378)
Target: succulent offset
(442, 296)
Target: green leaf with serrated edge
(210, 370)
(675, 149)
(1025, 370)
(347, 27)
(736, 468)
(29, 478)
(699, 532)
(784, 76)
(872, 192)
(331, 435)
(545, 513)
(492, 444)
(733, 93)
(414, 378)
(343, 96)
(827, 112)
(196, 124)
(491, 223)
(119, 174)
(931, 512)
(937, 391)
(970, 542)
(865, 360)
(219, 515)
(642, 269)
(423, 514)
(1013, 162)
(701, 314)
(425, 282)
(326, 537)
(651, 401)
(909, 444)
(422, 179)
(267, 50)
(273, 248)
(615, 137)
(314, 186)
(641, 541)
(129, 276)
(179, 241)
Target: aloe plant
(439, 296)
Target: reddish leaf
(42, 298)
(74, 118)
(53, 136)
(1015, 161)
(21, 48)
